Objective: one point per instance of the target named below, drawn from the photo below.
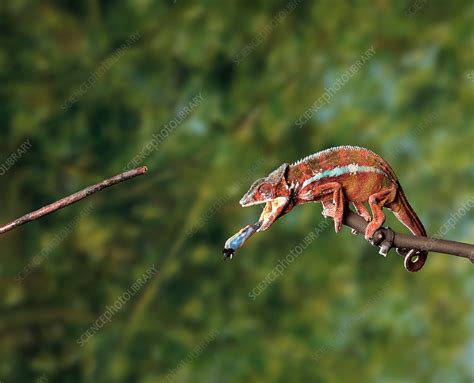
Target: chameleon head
(272, 190)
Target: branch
(408, 246)
(66, 201)
(406, 241)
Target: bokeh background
(340, 312)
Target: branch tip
(73, 198)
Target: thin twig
(66, 201)
(406, 241)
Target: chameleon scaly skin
(335, 177)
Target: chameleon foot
(376, 239)
(383, 239)
(387, 241)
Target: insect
(334, 177)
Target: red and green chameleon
(334, 177)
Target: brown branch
(66, 201)
(406, 241)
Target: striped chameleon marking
(334, 177)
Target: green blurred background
(340, 312)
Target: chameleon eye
(266, 190)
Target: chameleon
(335, 177)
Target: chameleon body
(334, 177)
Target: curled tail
(406, 215)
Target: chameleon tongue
(237, 240)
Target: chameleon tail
(406, 215)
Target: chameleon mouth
(271, 212)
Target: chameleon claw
(354, 231)
(375, 239)
(384, 248)
(384, 240)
